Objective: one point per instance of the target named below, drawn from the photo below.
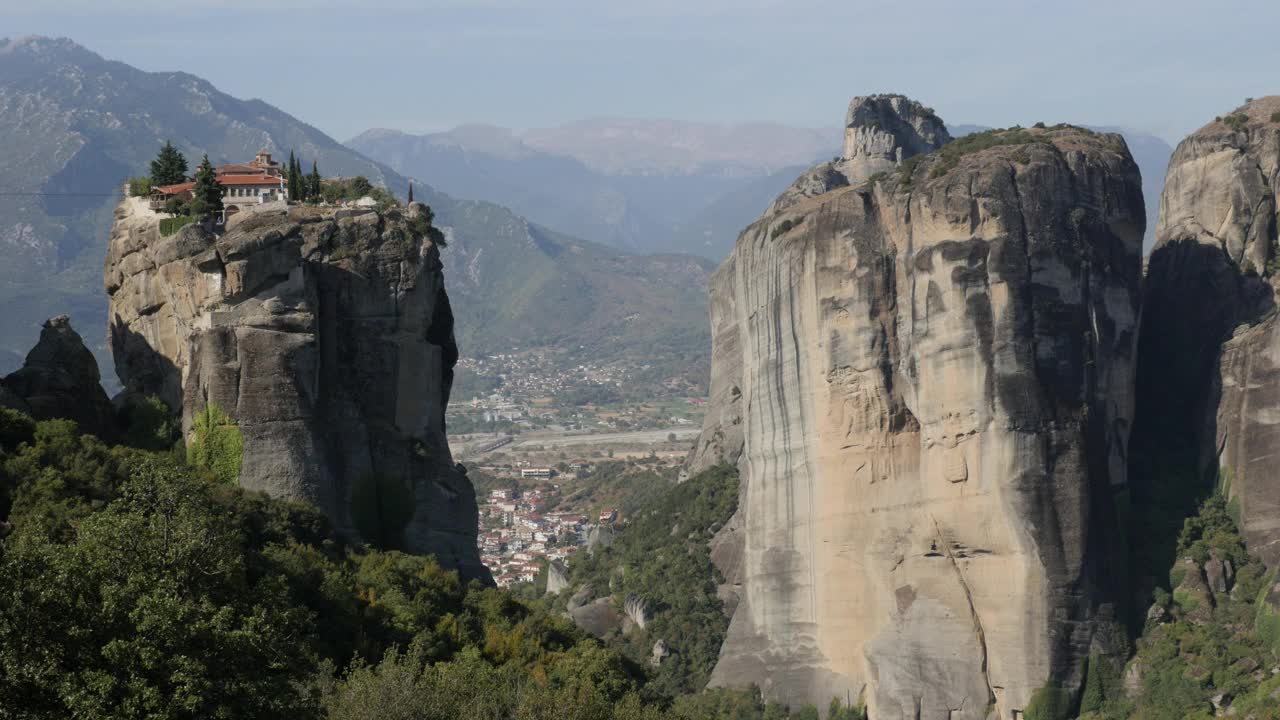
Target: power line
(47, 194)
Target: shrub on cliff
(149, 424)
(216, 444)
(171, 225)
(1194, 651)
(139, 186)
(352, 189)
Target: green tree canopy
(360, 186)
(207, 192)
(148, 612)
(169, 167)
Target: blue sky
(1166, 67)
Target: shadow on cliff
(1193, 300)
(142, 369)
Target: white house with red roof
(254, 183)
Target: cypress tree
(207, 192)
(410, 192)
(313, 183)
(295, 192)
(169, 167)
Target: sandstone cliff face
(328, 338)
(1209, 384)
(926, 381)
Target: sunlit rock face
(926, 381)
(328, 338)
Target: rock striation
(923, 367)
(1209, 383)
(60, 379)
(327, 337)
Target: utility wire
(45, 194)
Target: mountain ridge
(76, 115)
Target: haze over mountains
(645, 185)
(78, 125)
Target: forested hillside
(138, 586)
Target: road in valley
(549, 440)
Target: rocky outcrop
(1209, 384)
(880, 131)
(600, 535)
(926, 382)
(637, 610)
(327, 337)
(598, 617)
(557, 577)
(60, 379)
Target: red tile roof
(252, 180)
(174, 189)
(273, 180)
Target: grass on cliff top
(950, 154)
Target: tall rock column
(933, 374)
(327, 337)
(1209, 380)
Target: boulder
(597, 617)
(579, 598)
(660, 653)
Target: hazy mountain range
(645, 185)
(75, 125)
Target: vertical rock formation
(880, 131)
(1209, 380)
(60, 379)
(925, 380)
(328, 338)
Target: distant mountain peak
(37, 46)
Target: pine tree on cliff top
(207, 193)
(169, 167)
(410, 192)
